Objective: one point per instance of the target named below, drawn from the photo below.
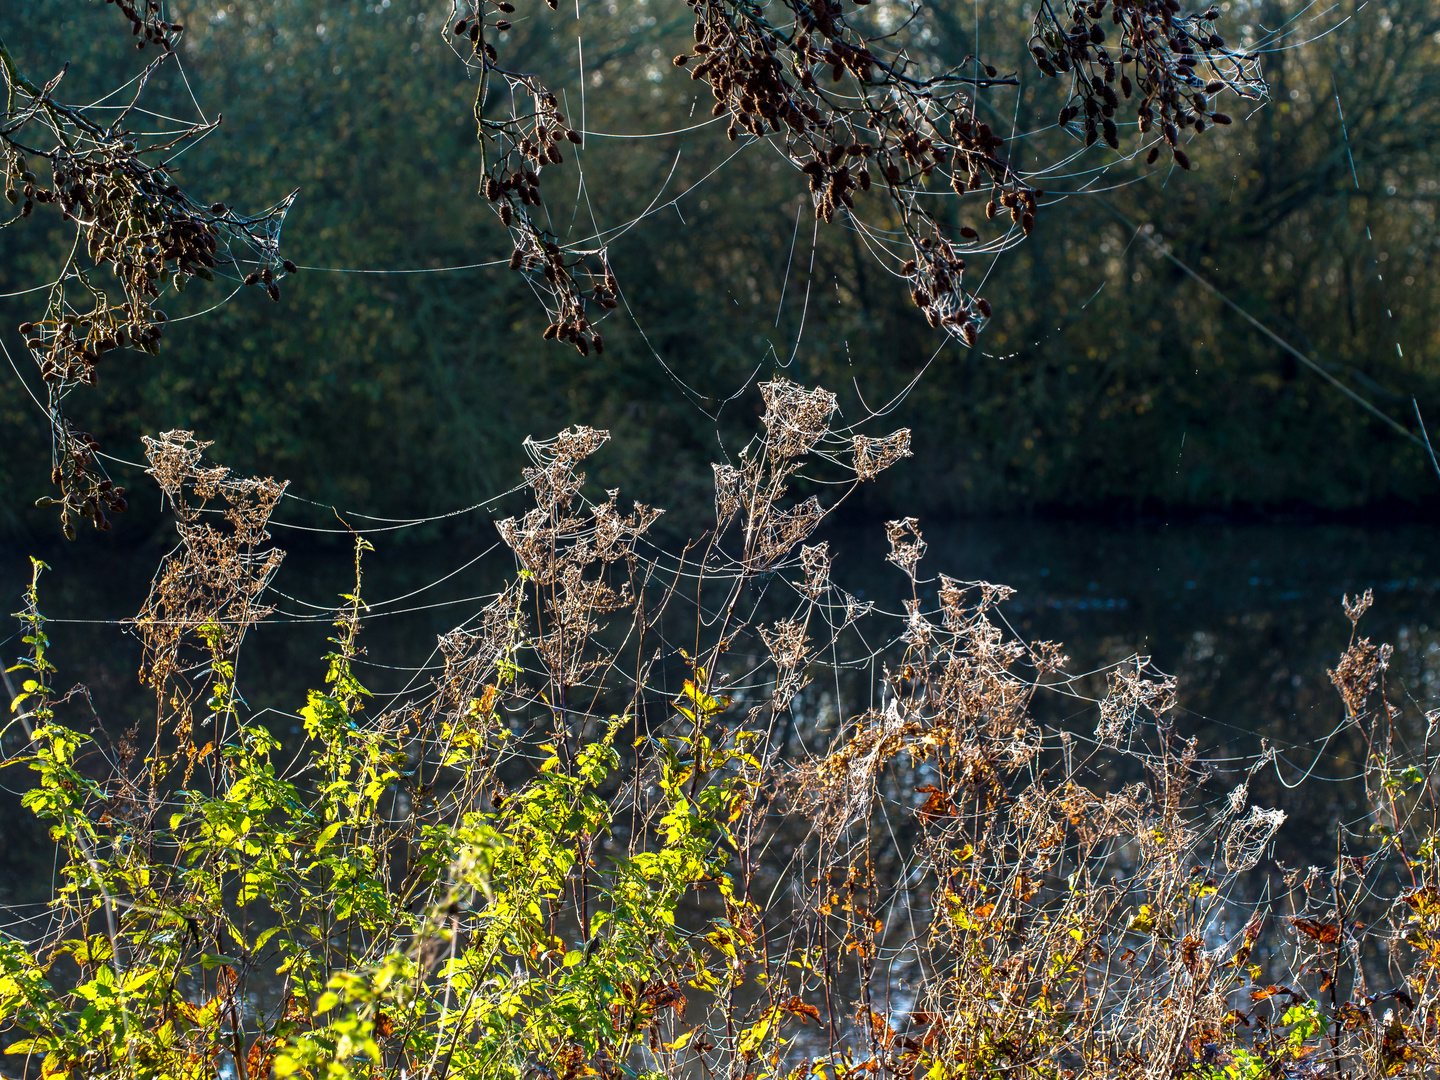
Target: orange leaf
(1324, 932)
(798, 1008)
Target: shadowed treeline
(1106, 377)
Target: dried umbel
(130, 217)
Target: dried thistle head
(1358, 674)
(1248, 837)
(874, 456)
(815, 561)
(727, 492)
(1356, 608)
(906, 554)
(795, 418)
(1133, 686)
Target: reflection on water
(1247, 616)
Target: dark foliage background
(1107, 380)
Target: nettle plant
(648, 820)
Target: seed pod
(907, 268)
(919, 297)
(969, 333)
(274, 291)
(460, 27)
(983, 306)
(289, 266)
(506, 214)
(892, 173)
(573, 136)
(516, 258)
(1112, 136)
(1027, 223)
(1214, 87)
(598, 342)
(990, 209)
(26, 327)
(252, 278)
(492, 189)
(932, 317)
(968, 233)
(502, 25)
(554, 155)
(1219, 118)
(1181, 159)
(551, 332)
(864, 177)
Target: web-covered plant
(138, 239)
(691, 812)
(856, 109)
(849, 98)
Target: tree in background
(364, 109)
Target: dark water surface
(1247, 616)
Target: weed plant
(644, 821)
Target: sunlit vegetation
(697, 809)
